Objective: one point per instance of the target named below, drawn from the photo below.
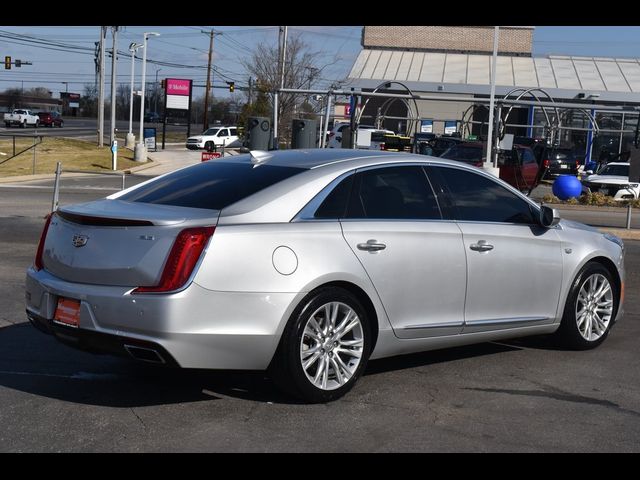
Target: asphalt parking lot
(517, 396)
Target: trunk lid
(113, 242)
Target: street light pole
(490, 166)
(114, 60)
(131, 138)
(140, 154)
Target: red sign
(178, 87)
(209, 155)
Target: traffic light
(7, 62)
(18, 63)
(232, 86)
(163, 83)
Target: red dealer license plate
(67, 312)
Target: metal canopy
(615, 79)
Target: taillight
(577, 163)
(183, 258)
(382, 146)
(38, 261)
(546, 163)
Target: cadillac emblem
(79, 240)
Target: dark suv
(50, 119)
(558, 161)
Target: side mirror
(549, 217)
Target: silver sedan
(308, 263)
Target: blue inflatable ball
(566, 187)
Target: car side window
(477, 198)
(234, 132)
(223, 132)
(402, 192)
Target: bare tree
(301, 70)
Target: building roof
(615, 79)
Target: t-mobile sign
(178, 93)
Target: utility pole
(114, 59)
(205, 120)
(282, 55)
(103, 33)
(250, 90)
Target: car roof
(316, 158)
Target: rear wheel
(209, 146)
(324, 348)
(590, 309)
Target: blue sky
(338, 46)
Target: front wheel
(324, 348)
(590, 309)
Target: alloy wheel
(594, 307)
(331, 346)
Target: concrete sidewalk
(161, 162)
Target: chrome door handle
(371, 246)
(481, 246)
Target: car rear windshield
(463, 154)
(212, 185)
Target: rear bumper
(194, 328)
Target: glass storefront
(616, 131)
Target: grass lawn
(73, 154)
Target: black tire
(209, 146)
(569, 335)
(286, 369)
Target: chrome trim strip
(434, 325)
(501, 321)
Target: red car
(518, 167)
(50, 119)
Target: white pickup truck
(22, 118)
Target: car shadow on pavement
(33, 362)
(423, 359)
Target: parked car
(613, 180)
(22, 118)
(441, 144)
(559, 161)
(214, 138)
(518, 167)
(309, 263)
(50, 119)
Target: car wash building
(456, 61)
